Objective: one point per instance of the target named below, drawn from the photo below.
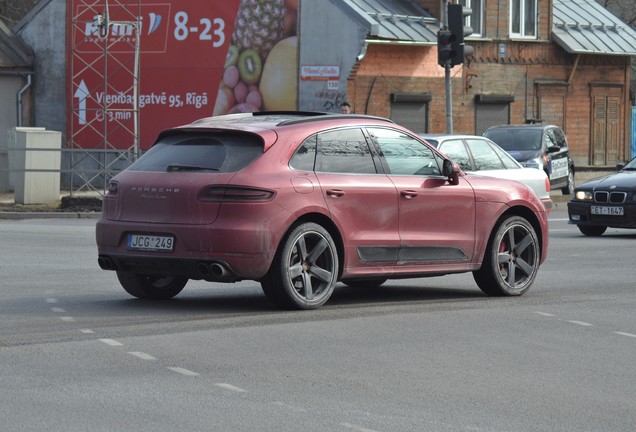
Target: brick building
(563, 62)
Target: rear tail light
(547, 184)
(112, 188)
(235, 194)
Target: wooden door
(606, 127)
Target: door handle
(408, 194)
(335, 193)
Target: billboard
(138, 68)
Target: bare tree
(624, 9)
(12, 11)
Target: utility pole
(447, 80)
(451, 49)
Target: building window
(475, 20)
(523, 18)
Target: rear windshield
(516, 139)
(213, 152)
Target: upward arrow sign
(82, 93)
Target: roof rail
(334, 116)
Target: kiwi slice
(232, 56)
(250, 66)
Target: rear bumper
(200, 251)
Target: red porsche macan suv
(299, 201)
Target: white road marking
(141, 355)
(544, 314)
(111, 342)
(231, 387)
(581, 323)
(356, 427)
(67, 318)
(51, 300)
(183, 371)
(57, 309)
(87, 331)
(626, 334)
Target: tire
(363, 283)
(156, 287)
(592, 231)
(569, 188)
(511, 260)
(305, 269)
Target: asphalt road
(78, 354)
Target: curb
(49, 215)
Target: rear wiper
(176, 167)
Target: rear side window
(508, 161)
(305, 156)
(214, 152)
(456, 150)
(485, 156)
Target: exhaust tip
(218, 270)
(203, 269)
(105, 263)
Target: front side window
(474, 21)
(523, 18)
(550, 141)
(344, 151)
(560, 137)
(404, 154)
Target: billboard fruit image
(260, 27)
(279, 85)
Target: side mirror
(451, 170)
(553, 149)
(620, 166)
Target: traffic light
(445, 51)
(456, 15)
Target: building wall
(401, 69)
(546, 82)
(9, 88)
(44, 30)
(328, 38)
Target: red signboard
(194, 59)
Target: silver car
(479, 155)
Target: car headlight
(583, 195)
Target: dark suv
(538, 146)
